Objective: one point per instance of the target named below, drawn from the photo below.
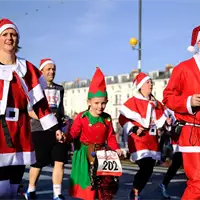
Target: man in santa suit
(21, 83)
(48, 151)
(182, 95)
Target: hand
(119, 152)
(195, 100)
(139, 131)
(60, 136)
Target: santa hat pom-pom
(191, 49)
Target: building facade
(119, 89)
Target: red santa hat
(195, 39)
(139, 80)
(98, 85)
(44, 62)
(5, 24)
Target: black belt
(6, 131)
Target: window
(118, 99)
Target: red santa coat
(183, 83)
(98, 133)
(138, 111)
(20, 85)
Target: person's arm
(173, 96)
(75, 129)
(32, 115)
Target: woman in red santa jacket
(20, 84)
(182, 95)
(141, 117)
(94, 130)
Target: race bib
(153, 130)
(108, 163)
(53, 97)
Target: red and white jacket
(151, 115)
(185, 82)
(20, 85)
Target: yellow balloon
(133, 41)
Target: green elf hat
(98, 85)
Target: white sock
(31, 188)
(56, 190)
(13, 190)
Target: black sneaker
(30, 195)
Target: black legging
(146, 166)
(12, 173)
(177, 161)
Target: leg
(144, 173)
(174, 167)
(58, 155)
(146, 166)
(191, 163)
(57, 177)
(4, 183)
(34, 174)
(42, 149)
(15, 175)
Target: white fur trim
(127, 127)
(45, 63)
(6, 26)
(17, 158)
(136, 116)
(161, 121)
(197, 60)
(144, 154)
(48, 121)
(189, 107)
(191, 49)
(142, 82)
(43, 82)
(3, 102)
(175, 148)
(36, 94)
(21, 67)
(189, 149)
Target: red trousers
(191, 163)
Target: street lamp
(133, 41)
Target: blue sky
(78, 35)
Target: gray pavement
(151, 191)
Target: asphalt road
(151, 191)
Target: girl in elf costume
(93, 130)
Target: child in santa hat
(141, 117)
(93, 130)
